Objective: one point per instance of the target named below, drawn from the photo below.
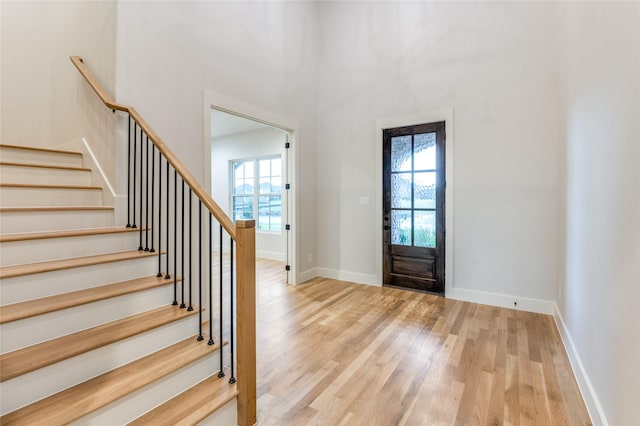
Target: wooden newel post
(246, 321)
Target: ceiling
(225, 124)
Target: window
(256, 191)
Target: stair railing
(154, 169)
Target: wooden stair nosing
(192, 405)
(45, 305)
(74, 262)
(84, 398)
(27, 236)
(31, 358)
(43, 186)
(33, 148)
(44, 166)
(53, 208)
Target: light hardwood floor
(336, 353)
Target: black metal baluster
(210, 279)
(232, 346)
(221, 372)
(153, 194)
(190, 308)
(141, 194)
(129, 175)
(133, 184)
(182, 305)
(167, 275)
(200, 337)
(160, 214)
(175, 237)
(146, 198)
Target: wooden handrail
(198, 190)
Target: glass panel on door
(413, 190)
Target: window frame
(255, 195)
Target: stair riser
(132, 406)
(15, 155)
(14, 222)
(225, 415)
(40, 176)
(47, 197)
(18, 289)
(38, 384)
(26, 332)
(17, 252)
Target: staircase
(88, 331)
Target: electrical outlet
(310, 257)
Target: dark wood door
(414, 207)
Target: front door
(414, 191)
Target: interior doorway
(250, 166)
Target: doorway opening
(250, 165)
(414, 207)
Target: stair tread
(192, 405)
(43, 186)
(84, 398)
(44, 305)
(74, 262)
(33, 148)
(26, 236)
(44, 166)
(31, 358)
(53, 208)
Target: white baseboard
(353, 277)
(271, 255)
(110, 198)
(586, 388)
(502, 300)
(96, 168)
(486, 298)
(307, 275)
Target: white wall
(600, 284)
(525, 148)
(258, 53)
(44, 101)
(494, 64)
(256, 143)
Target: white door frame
(217, 101)
(445, 115)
